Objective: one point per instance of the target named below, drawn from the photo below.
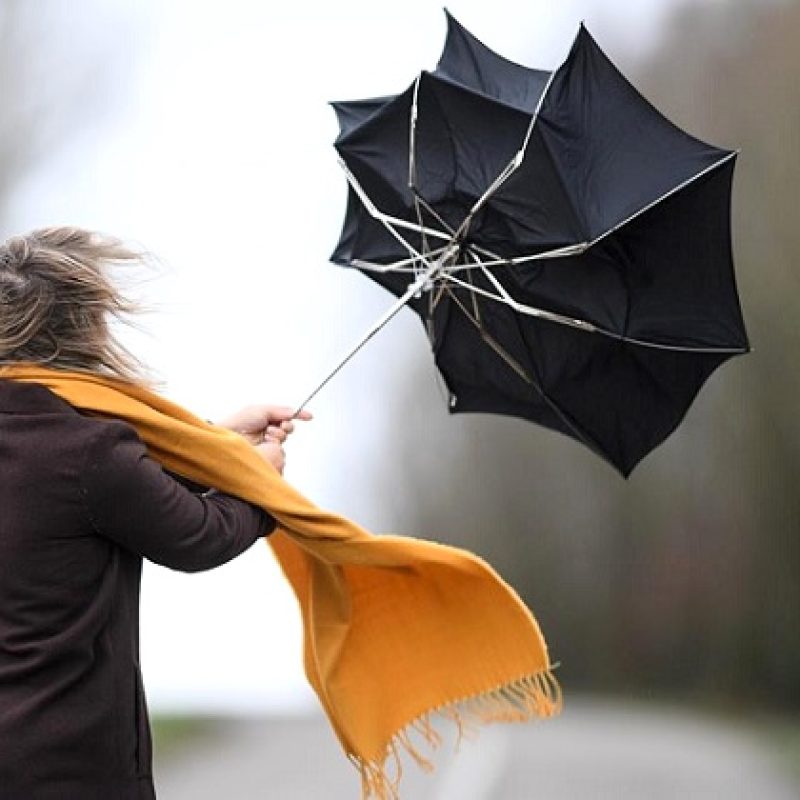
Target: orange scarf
(397, 630)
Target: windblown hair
(57, 298)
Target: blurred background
(672, 600)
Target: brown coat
(80, 504)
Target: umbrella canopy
(567, 247)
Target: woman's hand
(266, 428)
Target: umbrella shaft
(417, 286)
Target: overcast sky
(216, 155)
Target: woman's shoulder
(33, 410)
(110, 442)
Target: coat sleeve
(133, 501)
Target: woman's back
(72, 715)
(81, 504)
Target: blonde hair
(57, 298)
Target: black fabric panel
(614, 151)
(352, 113)
(665, 277)
(537, 204)
(532, 213)
(468, 61)
(591, 287)
(618, 399)
(680, 268)
(365, 238)
(377, 151)
(628, 398)
(483, 135)
(377, 154)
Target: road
(594, 751)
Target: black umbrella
(567, 247)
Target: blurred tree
(730, 72)
(687, 577)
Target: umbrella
(567, 247)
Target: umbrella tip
(452, 22)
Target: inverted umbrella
(566, 246)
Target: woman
(81, 504)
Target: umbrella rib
(578, 249)
(435, 298)
(386, 219)
(565, 418)
(676, 348)
(433, 212)
(538, 109)
(473, 296)
(512, 165)
(491, 341)
(412, 136)
(531, 311)
(403, 265)
(474, 248)
(412, 164)
(558, 252)
(580, 324)
(580, 434)
(664, 196)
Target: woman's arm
(133, 501)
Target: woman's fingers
(261, 423)
(276, 434)
(272, 453)
(252, 437)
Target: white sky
(217, 156)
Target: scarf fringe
(532, 697)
